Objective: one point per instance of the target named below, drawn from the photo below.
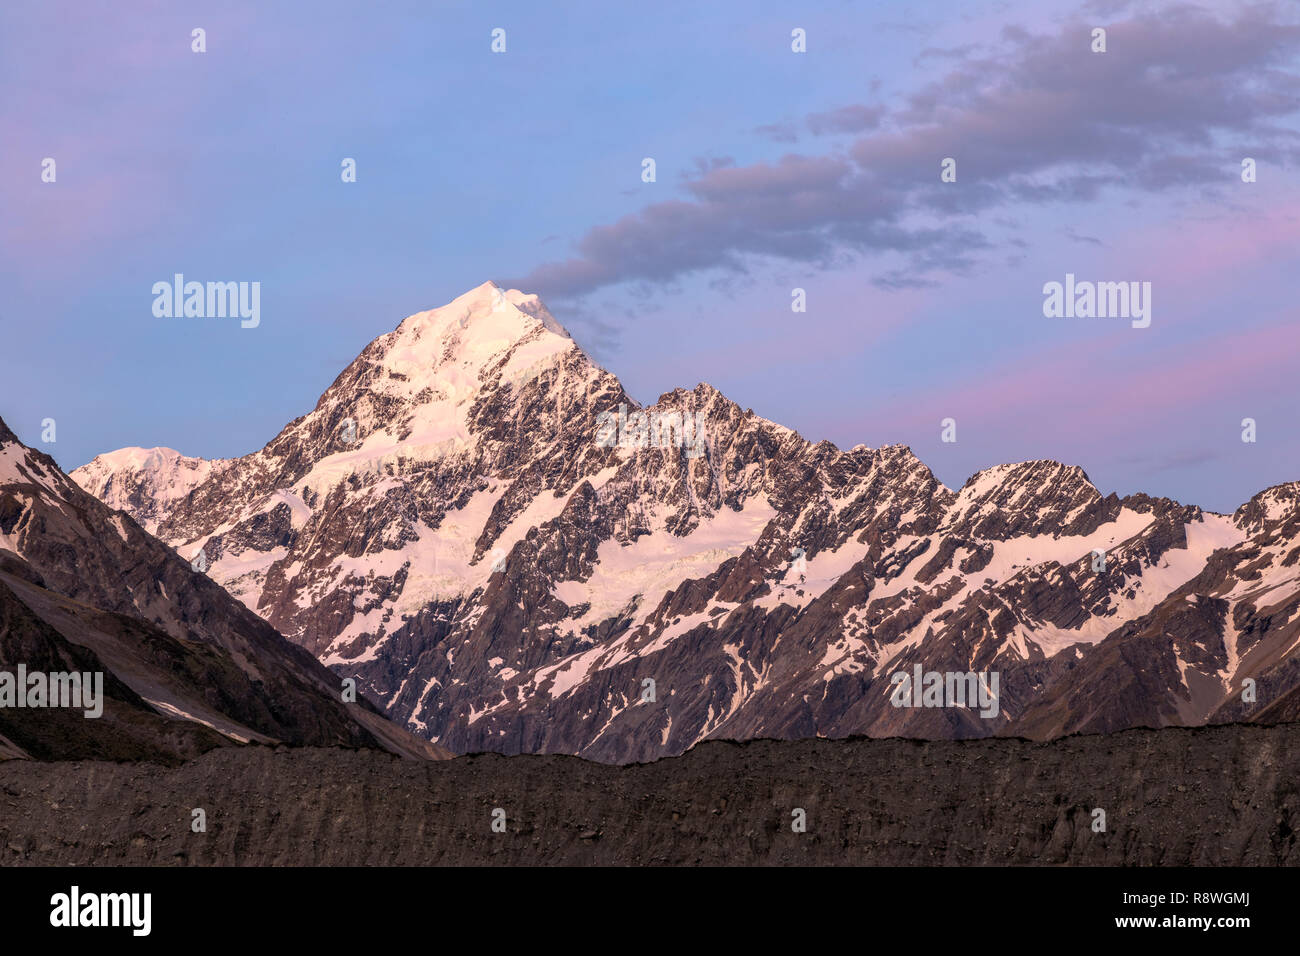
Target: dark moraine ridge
(1206, 796)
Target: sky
(775, 170)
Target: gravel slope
(1214, 795)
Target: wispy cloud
(1041, 120)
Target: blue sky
(775, 170)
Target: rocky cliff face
(478, 523)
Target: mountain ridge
(86, 589)
(450, 525)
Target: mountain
(146, 482)
(185, 668)
(511, 554)
(1184, 661)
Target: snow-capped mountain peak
(147, 482)
(412, 392)
(474, 331)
